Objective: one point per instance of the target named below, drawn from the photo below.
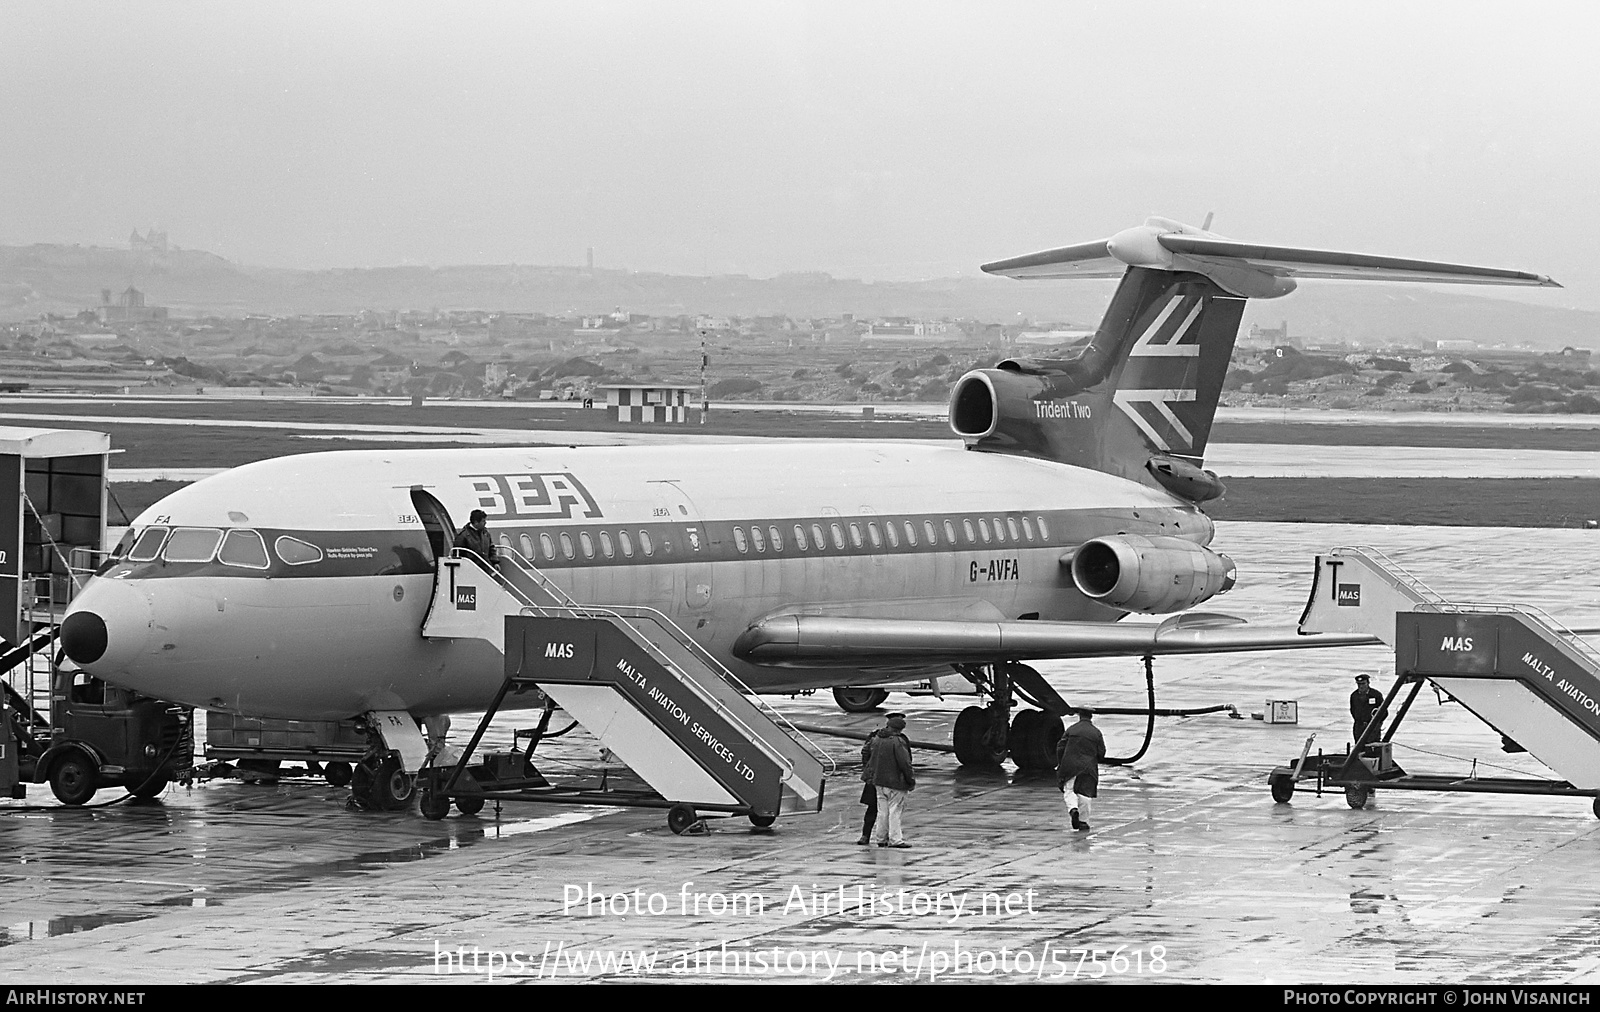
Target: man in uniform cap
(894, 778)
(1364, 703)
(1078, 756)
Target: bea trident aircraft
(298, 587)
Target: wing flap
(828, 641)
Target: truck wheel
(1282, 785)
(762, 821)
(1356, 795)
(469, 805)
(336, 774)
(857, 700)
(434, 805)
(74, 778)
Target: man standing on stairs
(475, 537)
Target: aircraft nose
(84, 637)
(107, 627)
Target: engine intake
(1150, 575)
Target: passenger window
(855, 534)
(1011, 525)
(776, 537)
(800, 537)
(911, 534)
(148, 547)
(645, 544)
(527, 547)
(949, 532)
(759, 539)
(894, 539)
(931, 532)
(192, 544)
(587, 543)
(547, 547)
(296, 552)
(605, 545)
(818, 538)
(983, 528)
(625, 540)
(966, 528)
(999, 530)
(1044, 532)
(245, 549)
(566, 545)
(874, 536)
(1027, 528)
(739, 541)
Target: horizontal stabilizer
(1251, 270)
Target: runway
(229, 882)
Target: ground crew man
(1078, 757)
(894, 778)
(1364, 703)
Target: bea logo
(1349, 595)
(558, 650)
(467, 598)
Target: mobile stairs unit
(1531, 679)
(635, 680)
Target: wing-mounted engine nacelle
(1150, 575)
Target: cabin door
(436, 521)
(691, 544)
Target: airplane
(297, 587)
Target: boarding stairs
(640, 684)
(1516, 668)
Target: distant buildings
(129, 307)
(155, 242)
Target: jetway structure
(1517, 669)
(638, 683)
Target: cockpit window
(148, 547)
(122, 546)
(244, 548)
(296, 552)
(192, 544)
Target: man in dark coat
(1078, 758)
(1365, 703)
(869, 791)
(475, 537)
(894, 778)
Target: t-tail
(1139, 399)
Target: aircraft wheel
(858, 700)
(74, 778)
(150, 788)
(434, 804)
(974, 738)
(469, 805)
(1597, 808)
(1034, 735)
(1356, 795)
(392, 787)
(1282, 785)
(337, 774)
(680, 818)
(762, 821)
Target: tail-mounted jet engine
(1150, 575)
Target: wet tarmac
(1190, 872)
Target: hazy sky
(878, 140)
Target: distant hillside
(65, 279)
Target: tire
(74, 778)
(680, 818)
(392, 787)
(858, 700)
(1034, 735)
(337, 774)
(762, 821)
(433, 804)
(1596, 807)
(1282, 785)
(470, 805)
(150, 788)
(972, 739)
(1356, 795)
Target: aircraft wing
(813, 641)
(1288, 261)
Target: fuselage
(297, 587)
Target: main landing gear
(986, 735)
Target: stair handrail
(1533, 613)
(1400, 574)
(675, 632)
